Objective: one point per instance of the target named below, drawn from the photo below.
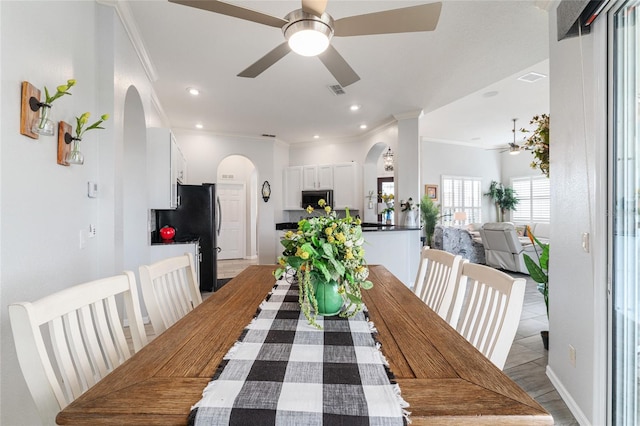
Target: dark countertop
(366, 227)
(185, 239)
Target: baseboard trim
(566, 397)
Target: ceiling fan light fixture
(308, 35)
(308, 42)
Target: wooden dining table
(444, 378)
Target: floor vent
(337, 90)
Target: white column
(407, 160)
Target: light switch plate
(92, 189)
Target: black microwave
(311, 198)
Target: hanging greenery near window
(538, 143)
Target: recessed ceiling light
(475, 139)
(490, 94)
(363, 126)
(316, 136)
(199, 126)
(193, 91)
(354, 107)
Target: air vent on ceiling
(337, 90)
(531, 77)
(228, 177)
(267, 135)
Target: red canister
(167, 233)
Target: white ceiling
(478, 46)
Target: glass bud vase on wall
(42, 125)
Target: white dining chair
(68, 341)
(170, 290)
(437, 283)
(491, 310)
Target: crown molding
(128, 21)
(417, 113)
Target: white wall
(578, 204)
(458, 160)
(44, 205)
(204, 151)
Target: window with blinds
(462, 194)
(535, 200)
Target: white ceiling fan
(308, 31)
(513, 147)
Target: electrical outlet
(572, 356)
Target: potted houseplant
(429, 212)
(538, 143)
(327, 254)
(503, 197)
(540, 273)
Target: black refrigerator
(197, 217)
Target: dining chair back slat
(66, 342)
(437, 283)
(491, 312)
(170, 290)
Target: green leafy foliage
(539, 271)
(326, 248)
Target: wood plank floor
(527, 359)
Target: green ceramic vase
(329, 301)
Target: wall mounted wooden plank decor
(63, 147)
(27, 114)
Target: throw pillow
(521, 231)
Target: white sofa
(504, 247)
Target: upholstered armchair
(503, 247)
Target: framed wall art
(431, 191)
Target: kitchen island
(396, 247)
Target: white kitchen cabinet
(159, 252)
(181, 164)
(163, 167)
(292, 188)
(317, 177)
(347, 189)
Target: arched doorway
(237, 189)
(372, 170)
(134, 189)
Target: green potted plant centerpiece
(327, 254)
(503, 197)
(539, 272)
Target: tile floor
(527, 359)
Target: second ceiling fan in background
(312, 20)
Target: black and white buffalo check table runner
(283, 371)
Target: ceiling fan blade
(314, 7)
(266, 61)
(405, 20)
(235, 11)
(338, 67)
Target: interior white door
(232, 226)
